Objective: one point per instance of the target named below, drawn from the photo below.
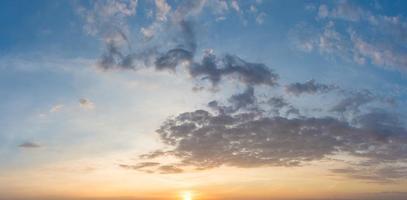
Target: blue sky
(84, 79)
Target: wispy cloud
(382, 45)
(29, 145)
(56, 108)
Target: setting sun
(187, 195)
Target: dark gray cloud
(183, 52)
(243, 100)
(213, 69)
(278, 105)
(277, 102)
(205, 141)
(309, 87)
(29, 145)
(251, 73)
(173, 58)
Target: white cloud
(260, 18)
(56, 108)
(378, 55)
(350, 44)
(235, 6)
(162, 9)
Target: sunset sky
(203, 100)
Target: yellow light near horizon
(187, 195)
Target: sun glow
(187, 195)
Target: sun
(187, 195)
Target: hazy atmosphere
(203, 100)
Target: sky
(203, 100)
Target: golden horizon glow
(187, 195)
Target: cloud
(104, 17)
(254, 128)
(383, 174)
(260, 18)
(353, 102)
(343, 10)
(235, 5)
(309, 87)
(278, 104)
(86, 104)
(151, 167)
(56, 108)
(245, 100)
(203, 140)
(383, 45)
(213, 69)
(104, 14)
(169, 169)
(107, 21)
(139, 165)
(245, 132)
(206, 141)
(219, 7)
(210, 68)
(379, 55)
(323, 11)
(184, 52)
(29, 145)
(162, 10)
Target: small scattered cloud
(29, 145)
(56, 108)
(235, 5)
(86, 104)
(154, 167)
(260, 18)
(139, 165)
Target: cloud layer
(257, 127)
